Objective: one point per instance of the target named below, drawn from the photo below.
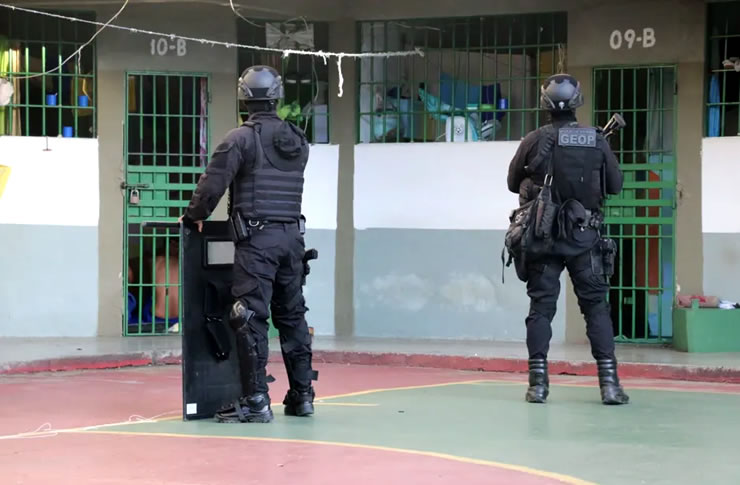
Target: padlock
(134, 197)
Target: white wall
(720, 175)
(720, 169)
(320, 187)
(430, 220)
(49, 233)
(433, 185)
(54, 184)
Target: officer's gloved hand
(188, 222)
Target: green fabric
(4, 68)
(291, 111)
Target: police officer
(581, 167)
(263, 162)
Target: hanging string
(78, 51)
(285, 52)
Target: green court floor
(662, 437)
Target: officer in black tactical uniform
(263, 162)
(581, 169)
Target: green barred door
(642, 218)
(166, 138)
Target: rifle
(615, 123)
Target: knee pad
(591, 310)
(547, 310)
(239, 316)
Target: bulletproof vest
(577, 164)
(273, 189)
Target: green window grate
(166, 149)
(641, 219)
(722, 115)
(305, 78)
(478, 80)
(60, 103)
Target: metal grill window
(166, 149)
(305, 78)
(723, 68)
(641, 219)
(478, 80)
(60, 103)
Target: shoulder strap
(545, 152)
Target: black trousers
(268, 269)
(591, 288)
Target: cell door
(166, 138)
(642, 218)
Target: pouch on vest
(518, 238)
(547, 209)
(531, 225)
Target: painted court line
(320, 401)
(433, 454)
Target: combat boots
(251, 409)
(299, 403)
(539, 382)
(611, 391)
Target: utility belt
(241, 229)
(572, 216)
(594, 219)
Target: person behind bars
(263, 161)
(576, 167)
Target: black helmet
(260, 83)
(561, 92)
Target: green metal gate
(642, 218)
(166, 138)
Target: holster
(608, 255)
(238, 228)
(310, 255)
(603, 258)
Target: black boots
(252, 409)
(611, 391)
(256, 408)
(539, 382)
(299, 403)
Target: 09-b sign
(619, 40)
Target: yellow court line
(404, 388)
(524, 383)
(348, 404)
(432, 454)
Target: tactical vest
(577, 166)
(273, 189)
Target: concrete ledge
(482, 364)
(576, 368)
(88, 362)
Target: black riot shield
(210, 372)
